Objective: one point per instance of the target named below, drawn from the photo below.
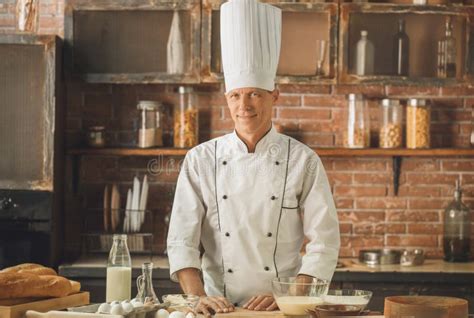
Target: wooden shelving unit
(322, 152)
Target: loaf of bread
(17, 268)
(22, 285)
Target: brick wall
(369, 213)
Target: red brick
(465, 129)
(315, 140)
(430, 178)
(460, 165)
(457, 90)
(324, 101)
(448, 103)
(345, 228)
(412, 240)
(328, 163)
(7, 21)
(303, 113)
(360, 164)
(390, 229)
(418, 191)
(361, 216)
(304, 89)
(343, 203)
(360, 191)
(339, 177)
(288, 100)
(219, 125)
(367, 241)
(372, 178)
(286, 125)
(419, 164)
(319, 126)
(370, 91)
(381, 203)
(423, 228)
(427, 204)
(411, 91)
(450, 115)
(346, 252)
(412, 216)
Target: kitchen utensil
(295, 295)
(135, 203)
(323, 311)
(352, 297)
(127, 221)
(115, 208)
(425, 307)
(143, 199)
(380, 256)
(412, 257)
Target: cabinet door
(27, 117)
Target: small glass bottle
(418, 124)
(449, 50)
(457, 227)
(146, 293)
(390, 133)
(186, 119)
(150, 131)
(96, 136)
(357, 121)
(401, 50)
(364, 59)
(119, 270)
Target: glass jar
(146, 293)
(186, 119)
(418, 124)
(390, 132)
(457, 227)
(119, 271)
(96, 136)
(150, 131)
(357, 123)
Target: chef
(245, 201)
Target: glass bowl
(296, 295)
(181, 301)
(323, 311)
(352, 297)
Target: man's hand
(261, 303)
(209, 305)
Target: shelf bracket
(396, 165)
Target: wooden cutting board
(241, 313)
(16, 308)
(425, 307)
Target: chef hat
(250, 41)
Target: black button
(267, 268)
(230, 271)
(273, 197)
(224, 162)
(277, 163)
(224, 197)
(227, 234)
(269, 234)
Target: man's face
(251, 109)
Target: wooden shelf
(322, 152)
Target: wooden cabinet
(425, 26)
(31, 120)
(114, 41)
(303, 24)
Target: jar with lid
(357, 123)
(186, 119)
(457, 227)
(150, 131)
(390, 132)
(418, 124)
(96, 136)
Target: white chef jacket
(249, 213)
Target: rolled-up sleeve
(320, 223)
(184, 234)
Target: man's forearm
(191, 282)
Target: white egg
(136, 303)
(127, 307)
(115, 302)
(190, 315)
(177, 314)
(162, 313)
(117, 310)
(104, 308)
(126, 301)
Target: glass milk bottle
(119, 270)
(364, 59)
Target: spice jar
(186, 119)
(418, 124)
(390, 132)
(150, 131)
(95, 136)
(357, 123)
